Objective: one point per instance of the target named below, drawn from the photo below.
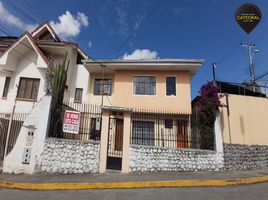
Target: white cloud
(10, 19)
(67, 26)
(83, 18)
(89, 44)
(141, 54)
(70, 25)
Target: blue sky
(158, 28)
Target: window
(143, 133)
(78, 94)
(144, 85)
(169, 123)
(107, 87)
(28, 88)
(171, 86)
(6, 87)
(95, 128)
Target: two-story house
(24, 62)
(163, 83)
(156, 92)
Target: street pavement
(243, 192)
(114, 176)
(258, 191)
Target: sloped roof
(32, 42)
(8, 42)
(5, 42)
(45, 26)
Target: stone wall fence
(70, 156)
(154, 159)
(245, 157)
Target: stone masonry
(154, 159)
(70, 156)
(244, 157)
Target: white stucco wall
(39, 119)
(78, 77)
(25, 68)
(82, 81)
(2, 83)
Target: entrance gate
(115, 144)
(3, 136)
(17, 122)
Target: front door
(182, 134)
(115, 144)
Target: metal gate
(17, 122)
(115, 144)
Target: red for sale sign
(71, 122)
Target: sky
(151, 29)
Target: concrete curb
(131, 185)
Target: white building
(23, 67)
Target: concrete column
(218, 134)
(39, 119)
(126, 143)
(104, 141)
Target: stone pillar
(126, 143)
(104, 140)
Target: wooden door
(119, 134)
(182, 134)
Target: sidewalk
(114, 179)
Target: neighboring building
(243, 118)
(240, 107)
(24, 62)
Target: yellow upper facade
(163, 85)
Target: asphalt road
(244, 192)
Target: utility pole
(213, 70)
(250, 48)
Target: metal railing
(16, 124)
(165, 129)
(90, 121)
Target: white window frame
(171, 76)
(133, 89)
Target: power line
(41, 16)
(261, 76)
(31, 48)
(139, 25)
(3, 31)
(22, 12)
(220, 60)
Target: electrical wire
(41, 16)
(3, 31)
(222, 59)
(22, 12)
(138, 25)
(31, 48)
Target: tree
(208, 107)
(57, 76)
